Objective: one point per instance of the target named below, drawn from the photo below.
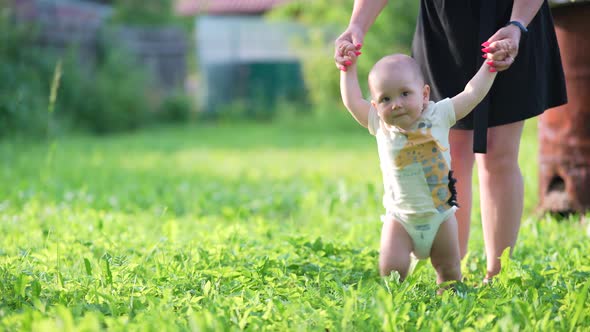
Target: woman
(447, 47)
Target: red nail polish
(358, 53)
(347, 63)
(487, 49)
(492, 70)
(359, 46)
(485, 44)
(343, 68)
(485, 56)
(491, 63)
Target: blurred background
(118, 65)
(110, 66)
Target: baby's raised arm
(477, 88)
(350, 90)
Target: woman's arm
(503, 54)
(524, 11)
(364, 13)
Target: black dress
(447, 45)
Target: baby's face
(399, 96)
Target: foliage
(176, 107)
(111, 95)
(114, 97)
(250, 226)
(392, 32)
(144, 13)
(23, 89)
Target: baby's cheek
(386, 116)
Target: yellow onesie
(418, 186)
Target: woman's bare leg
(501, 192)
(462, 156)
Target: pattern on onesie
(422, 147)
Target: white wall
(231, 39)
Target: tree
(325, 20)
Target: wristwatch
(522, 28)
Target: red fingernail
(491, 63)
(492, 70)
(487, 49)
(358, 53)
(359, 46)
(485, 44)
(347, 63)
(485, 56)
(343, 68)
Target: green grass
(249, 226)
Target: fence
(161, 50)
(66, 23)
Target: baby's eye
(405, 93)
(385, 99)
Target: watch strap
(521, 26)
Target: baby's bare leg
(444, 254)
(396, 246)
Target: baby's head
(398, 91)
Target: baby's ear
(426, 93)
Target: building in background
(243, 57)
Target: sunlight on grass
(250, 226)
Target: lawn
(236, 226)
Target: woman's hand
(501, 49)
(350, 40)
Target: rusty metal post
(564, 131)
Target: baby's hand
(349, 53)
(502, 48)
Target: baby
(412, 139)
